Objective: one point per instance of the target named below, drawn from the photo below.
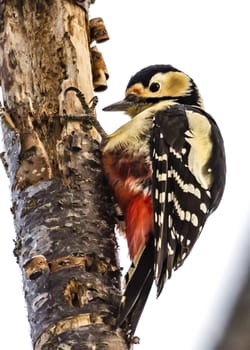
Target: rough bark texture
(62, 208)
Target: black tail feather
(137, 289)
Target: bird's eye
(154, 87)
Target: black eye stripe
(154, 87)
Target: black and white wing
(188, 164)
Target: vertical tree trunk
(62, 209)
(236, 335)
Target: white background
(209, 41)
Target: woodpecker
(166, 168)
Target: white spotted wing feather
(182, 147)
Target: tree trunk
(62, 208)
(237, 335)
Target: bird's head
(154, 84)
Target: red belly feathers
(127, 176)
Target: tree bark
(62, 207)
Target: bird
(166, 168)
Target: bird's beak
(119, 106)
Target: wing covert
(181, 201)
